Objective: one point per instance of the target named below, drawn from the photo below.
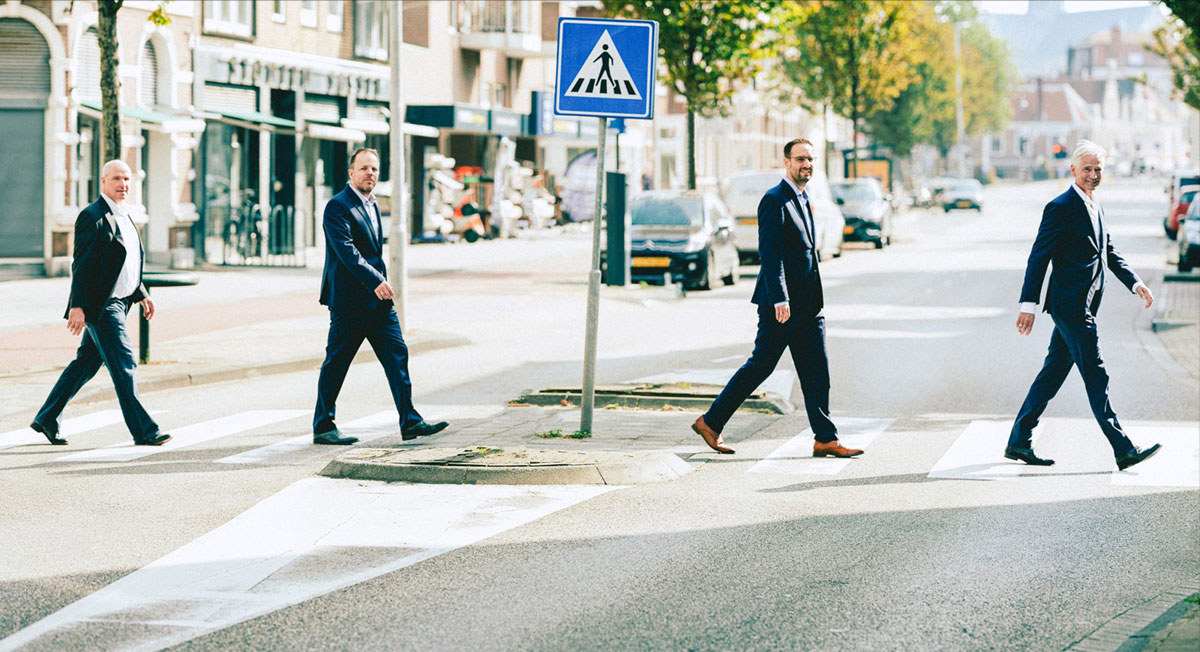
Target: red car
(1187, 194)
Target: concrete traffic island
(512, 466)
(653, 396)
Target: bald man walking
(106, 280)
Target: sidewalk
(1177, 320)
(1181, 636)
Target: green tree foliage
(1179, 43)
(705, 47)
(853, 56)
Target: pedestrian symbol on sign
(603, 74)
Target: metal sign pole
(593, 304)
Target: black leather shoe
(49, 434)
(423, 429)
(1026, 455)
(1129, 459)
(333, 438)
(156, 440)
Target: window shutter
(148, 93)
(87, 66)
(24, 65)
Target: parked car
(963, 193)
(686, 234)
(1189, 239)
(742, 193)
(867, 209)
(1186, 196)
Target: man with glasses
(789, 299)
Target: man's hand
(782, 313)
(384, 292)
(148, 308)
(1144, 292)
(1025, 323)
(75, 321)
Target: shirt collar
(114, 207)
(366, 199)
(1090, 201)
(796, 189)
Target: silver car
(743, 192)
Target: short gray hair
(1086, 147)
(112, 164)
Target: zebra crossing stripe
(367, 428)
(186, 436)
(795, 456)
(68, 428)
(1176, 465)
(978, 454)
(316, 536)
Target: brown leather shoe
(711, 437)
(834, 449)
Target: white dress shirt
(372, 207)
(131, 271)
(1094, 213)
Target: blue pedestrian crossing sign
(606, 67)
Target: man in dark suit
(106, 281)
(359, 297)
(789, 299)
(1074, 238)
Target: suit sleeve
(1117, 264)
(84, 251)
(341, 242)
(1043, 250)
(770, 248)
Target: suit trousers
(105, 342)
(805, 338)
(347, 330)
(1075, 343)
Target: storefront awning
(325, 131)
(455, 117)
(381, 127)
(252, 120)
(168, 123)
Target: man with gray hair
(1074, 238)
(106, 280)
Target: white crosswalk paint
(186, 436)
(314, 537)
(978, 454)
(795, 456)
(1176, 465)
(68, 428)
(780, 381)
(367, 428)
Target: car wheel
(709, 279)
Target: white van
(743, 191)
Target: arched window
(148, 89)
(87, 66)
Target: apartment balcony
(507, 26)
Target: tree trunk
(110, 84)
(691, 149)
(854, 111)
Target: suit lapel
(796, 212)
(1082, 211)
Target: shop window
(308, 13)
(229, 17)
(279, 11)
(334, 10)
(371, 29)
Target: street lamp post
(398, 240)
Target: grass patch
(1193, 598)
(559, 434)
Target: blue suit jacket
(99, 254)
(353, 255)
(1066, 240)
(788, 257)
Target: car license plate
(848, 230)
(748, 221)
(962, 203)
(651, 261)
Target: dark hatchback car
(686, 234)
(868, 210)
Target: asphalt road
(915, 546)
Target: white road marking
(780, 381)
(885, 312)
(186, 436)
(887, 334)
(795, 456)
(1176, 465)
(730, 358)
(367, 428)
(316, 536)
(978, 454)
(67, 429)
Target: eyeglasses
(799, 159)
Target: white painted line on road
(978, 454)
(68, 428)
(1176, 465)
(886, 334)
(367, 428)
(780, 381)
(731, 358)
(316, 536)
(795, 456)
(895, 312)
(186, 436)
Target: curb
(650, 398)
(253, 371)
(518, 466)
(1134, 628)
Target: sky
(1018, 6)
